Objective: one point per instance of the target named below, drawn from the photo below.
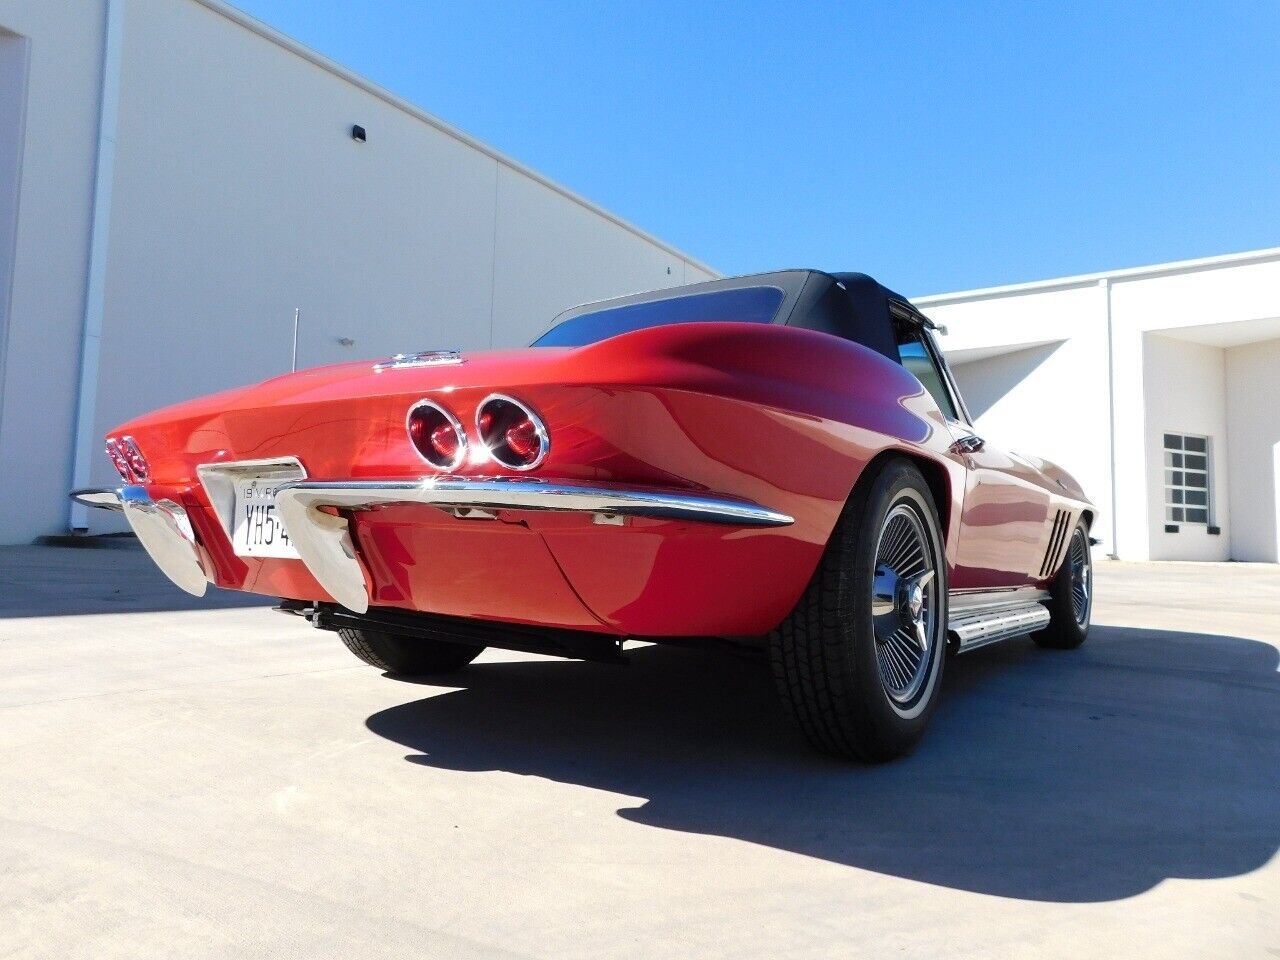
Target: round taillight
(137, 462)
(118, 460)
(437, 435)
(515, 435)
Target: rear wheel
(407, 655)
(1070, 596)
(859, 660)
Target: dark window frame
(1179, 463)
(915, 325)
(953, 389)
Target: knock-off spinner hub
(903, 595)
(912, 604)
(900, 601)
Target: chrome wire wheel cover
(905, 603)
(1081, 572)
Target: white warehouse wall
(63, 47)
(240, 195)
(1185, 392)
(1171, 299)
(237, 194)
(1253, 423)
(550, 255)
(1033, 368)
(996, 389)
(1056, 367)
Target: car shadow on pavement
(1075, 776)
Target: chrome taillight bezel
(460, 455)
(539, 426)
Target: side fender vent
(1057, 540)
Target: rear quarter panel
(786, 418)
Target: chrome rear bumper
(162, 527)
(323, 539)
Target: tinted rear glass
(745, 304)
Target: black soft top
(848, 305)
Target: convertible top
(848, 305)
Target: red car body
(782, 417)
(770, 415)
(778, 461)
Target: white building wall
(550, 255)
(1126, 352)
(238, 195)
(1199, 301)
(1033, 369)
(62, 43)
(1185, 392)
(1253, 424)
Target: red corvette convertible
(778, 462)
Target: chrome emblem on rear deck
(428, 358)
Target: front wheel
(1070, 596)
(410, 656)
(860, 659)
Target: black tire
(825, 656)
(1069, 609)
(410, 656)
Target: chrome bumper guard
(162, 527)
(324, 540)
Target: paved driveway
(199, 779)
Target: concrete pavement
(191, 779)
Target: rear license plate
(258, 530)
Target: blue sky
(936, 145)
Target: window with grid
(1186, 478)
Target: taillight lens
(437, 435)
(515, 435)
(118, 459)
(137, 462)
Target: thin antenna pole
(297, 311)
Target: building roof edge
(325, 63)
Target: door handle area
(970, 444)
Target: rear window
(745, 304)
